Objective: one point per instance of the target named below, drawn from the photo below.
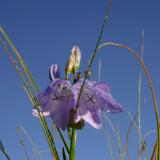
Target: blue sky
(45, 31)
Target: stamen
(56, 97)
(91, 99)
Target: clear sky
(44, 31)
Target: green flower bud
(73, 61)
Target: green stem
(119, 143)
(154, 152)
(133, 124)
(72, 155)
(100, 35)
(110, 145)
(150, 85)
(30, 91)
(4, 151)
(35, 148)
(73, 137)
(139, 99)
(95, 50)
(23, 145)
(63, 139)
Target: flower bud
(54, 72)
(73, 61)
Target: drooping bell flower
(57, 100)
(61, 97)
(95, 99)
(73, 61)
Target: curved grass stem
(150, 85)
(31, 89)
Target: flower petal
(95, 98)
(93, 118)
(107, 102)
(58, 99)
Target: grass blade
(31, 89)
(139, 97)
(150, 85)
(4, 151)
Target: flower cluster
(61, 97)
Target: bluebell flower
(57, 100)
(61, 96)
(95, 98)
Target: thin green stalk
(72, 149)
(109, 143)
(153, 156)
(99, 70)
(23, 144)
(4, 151)
(22, 129)
(46, 130)
(155, 149)
(64, 154)
(31, 87)
(150, 85)
(119, 143)
(63, 139)
(13, 62)
(95, 50)
(100, 35)
(72, 155)
(117, 134)
(110, 146)
(133, 123)
(128, 134)
(28, 73)
(139, 98)
(111, 125)
(18, 70)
